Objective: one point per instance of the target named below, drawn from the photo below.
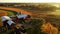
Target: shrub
(36, 23)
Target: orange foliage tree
(49, 29)
(2, 13)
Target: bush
(36, 23)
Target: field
(40, 13)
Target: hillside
(44, 11)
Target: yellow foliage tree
(49, 29)
(2, 13)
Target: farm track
(16, 10)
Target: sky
(30, 1)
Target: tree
(36, 23)
(2, 13)
(49, 29)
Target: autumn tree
(49, 29)
(2, 13)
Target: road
(16, 10)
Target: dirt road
(16, 10)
